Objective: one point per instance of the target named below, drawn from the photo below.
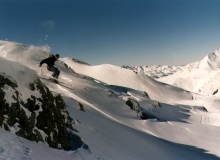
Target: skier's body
(50, 65)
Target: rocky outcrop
(141, 113)
(41, 117)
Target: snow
(111, 130)
(155, 71)
(201, 77)
(113, 75)
(14, 147)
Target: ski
(58, 82)
(54, 80)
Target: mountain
(199, 77)
(98, 112)
(155, 71)
(113, 75)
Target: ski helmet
(57, 55)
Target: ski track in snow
(87, 103)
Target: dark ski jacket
(49, 61)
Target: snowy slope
(119, 114)
(14, 147)
(113, 75)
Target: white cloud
(50, 24)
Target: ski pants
(55, 71)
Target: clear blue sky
(119, 32)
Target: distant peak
(211, 61)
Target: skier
(50, 65)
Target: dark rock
(36, 115)
(143, 114)
(81, 107)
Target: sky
(118, 32)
